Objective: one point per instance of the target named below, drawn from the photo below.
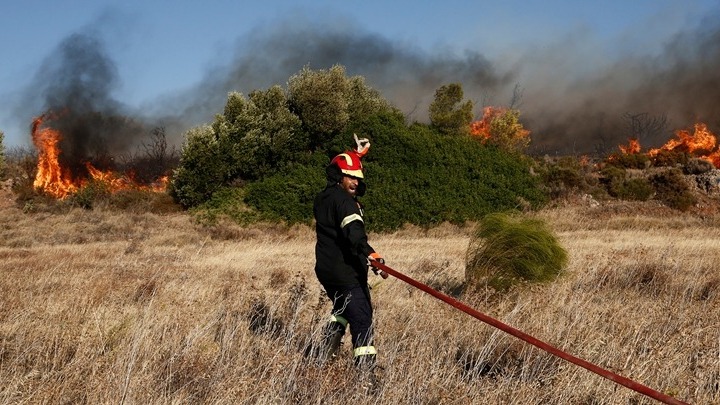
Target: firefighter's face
(349, 184)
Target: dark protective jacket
(342, 249)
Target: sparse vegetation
(636, 297)
(566, 176)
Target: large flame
(50, 175)
(701, 143)
(57, 181)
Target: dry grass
(102, 307)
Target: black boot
(368, 373)
(332, 340)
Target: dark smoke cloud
(74, 85)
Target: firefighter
(343, 255)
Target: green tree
(448, 113)
(202, 170)
(319, 98)
(365, 102)
(328, 102)
(254, 137)
(261, 133)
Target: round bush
(509, 249)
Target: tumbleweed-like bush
(509, 249)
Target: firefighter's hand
(363, 144)
(376, 258)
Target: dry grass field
(110, 307)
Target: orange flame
(481, 128)
(57, 181)
(632, 147)
(50, 176)
(701, 143)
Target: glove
(375, 257)
(363, 144)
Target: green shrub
(287, 197)
(271, 132)
(228, 202)
(509, 249)
(672, 189)
(449, 114)
(327, 102)
(203, 167)
(618, 185)
(89, 194)
(417, 176)
(563, 176)
(414, 176)
(638, 189)
(629, 160)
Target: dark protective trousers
(353, 304)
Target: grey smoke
(571, 100)
(570, 103)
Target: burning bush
(506, 250)
(501, 127)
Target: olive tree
(273, 131)
(252, 138)
(327, 101)
(261, 133)
(448, 113)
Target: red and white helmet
(349, 164)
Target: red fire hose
(535, 342)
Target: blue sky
(161, 50)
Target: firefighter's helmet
(349, 164)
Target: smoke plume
(75, 85)
(571, 99)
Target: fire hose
(633, 385)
